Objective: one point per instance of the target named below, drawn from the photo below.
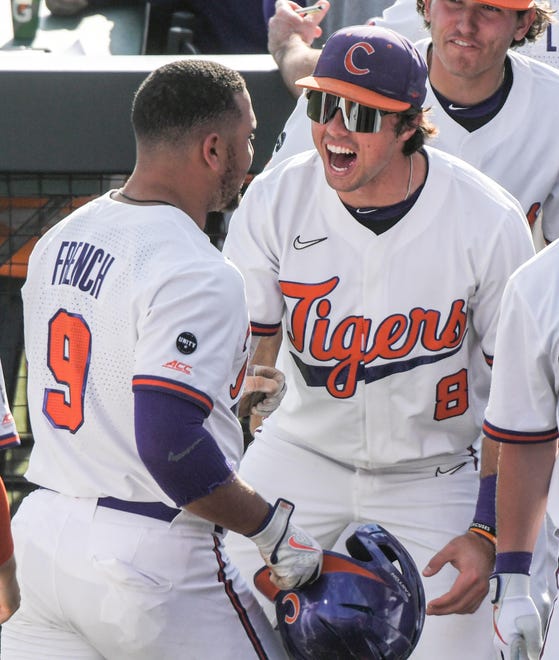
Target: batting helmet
(370, 605)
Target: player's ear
(405, 126)
(427, 10)
(212, 148)
(524, 21)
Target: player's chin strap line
(484, 522)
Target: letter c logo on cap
(348, 60)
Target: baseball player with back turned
(137, 337)
(385, 261)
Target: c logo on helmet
(348, 59)
(296, 604)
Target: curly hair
(544, 17)
(179, 96)
(424, 129)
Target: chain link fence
(29, 205)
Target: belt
(156, 510)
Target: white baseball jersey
(116, 296)
(523, 405)
(546, 48)
(528, 167)
(9, 436)
(384, 336)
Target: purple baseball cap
(370, 65)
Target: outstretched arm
(290, 35)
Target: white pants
(551, 640)
(422, 510)
(98, 583)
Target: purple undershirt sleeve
(180, 454)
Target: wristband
(489, 533)
(513, 562)
(484, 517)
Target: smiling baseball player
(383, 261)
(484, 93)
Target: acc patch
(187, 343)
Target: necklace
(144, 201)
(410, 179)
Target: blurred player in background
(483, 93)
(384, 260)
(137, 338)
(9, 588)
(295, 37)
(522, 416)
(404, 17)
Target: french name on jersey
(82, 265)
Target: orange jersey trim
(173, 387)
(10, 440)
(505, 435)
(263, 330)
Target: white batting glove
(516, 622)
(263, 403)
(293, 556)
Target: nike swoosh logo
(456, 107)
(298, 244)
(366, 211)
(450, 470)
(293, 543)
(177, 457)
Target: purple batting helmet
(366, 606)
